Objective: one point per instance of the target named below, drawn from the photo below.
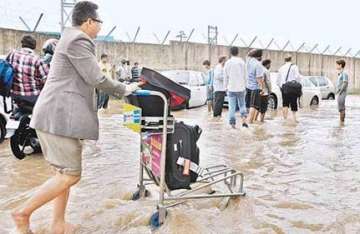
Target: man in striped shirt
(29, 70)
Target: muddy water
(299, 179)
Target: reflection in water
(300, 178)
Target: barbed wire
(10, 11)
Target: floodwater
(302, 178)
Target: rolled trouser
(341, 98)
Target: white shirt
(121, 72)
(124, 72)
(219, 78)
(235, 75)
(293, 74)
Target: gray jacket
(67, 104)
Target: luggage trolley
(154, 166)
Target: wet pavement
(300, 178)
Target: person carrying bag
(292, 87)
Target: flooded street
(298, 179)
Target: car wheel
(331, 96)
(272, 102)
(314, 101)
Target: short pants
(264, 100)
(341, 102)
(62, 153)
(290, 101)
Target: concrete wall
(180, 55)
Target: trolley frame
(213, 175)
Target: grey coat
(67, 104)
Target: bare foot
(63, 228)
(22, 222)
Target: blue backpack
(6, 78)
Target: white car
(192, 80)
(327, 88)
(311, 94)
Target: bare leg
(342, 116)
(209, 104)
(51, 189)
(59, 226)
(256, 116)
(262, 117)
(252, 115)
(294, 116)
(285, 111)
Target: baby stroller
(169, 154)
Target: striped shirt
(29, 72)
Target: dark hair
(266, 62)
(127, 62)
(104, 56)
(206, 63)
(234, 51)
(288, 58)
(222, 59)
(28, 41)
(258, 53)
(136, 63)
(83, 11)
(341, 62)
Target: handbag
(291, 87)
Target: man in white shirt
(123, 71)
(235, 84)
(288, 72)
(219, 89)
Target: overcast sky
(312, 21)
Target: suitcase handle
(142, 93)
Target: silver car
(325, 85)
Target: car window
(306, 83)
(179, 77)
(194, 81)
(323, 81)
(201, 79)
(314, 81)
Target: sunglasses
(98, 20)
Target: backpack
(6, 78)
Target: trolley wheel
(155, 220)
(136, 195)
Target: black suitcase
(182, 143)
(150, 105)
(154, 105)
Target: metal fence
(41, 18)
